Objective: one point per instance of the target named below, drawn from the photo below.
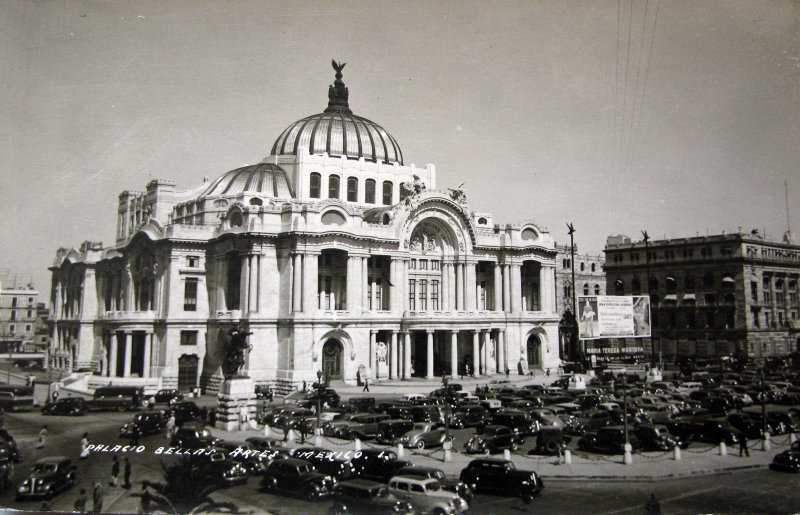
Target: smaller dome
(264, 179)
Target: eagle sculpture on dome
(338, 67)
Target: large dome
(263, 179)
(339, 132)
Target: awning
(671, 297)
(728, 279)
(688, 296)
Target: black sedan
(49, 477)
(788, 460)
(488, 475)
(607, 440)
(68, 406)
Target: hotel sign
(767, 253)
(613, 316)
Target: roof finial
(337, 92)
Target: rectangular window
(754, 291)
(780, 318)
(413, 264)
(412, 294)
(388, 193)
(13, 302)
(188, 337)
(13, 315)
(30, 300)
(12, 329)
(369, 191)
(435, 295)
(767, 293)
(435, 265)
(315, 185)
(482, 296)
(333, 186)
(352, 189)
(192, 261)
(30, 314)
(756, 320)
(423, 295)
(190, 294)
(27, 328)
(423, 264)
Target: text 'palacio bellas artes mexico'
(333, 252)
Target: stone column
(148, 345)
(486, 354)
(497, 298)
(471, 287)
(129, 305)
(373, 356)
(244, 284)
(444, 294)
(429, 356)
(114, 351)
(453, 353)
(310, 280)
(403, 304)
(506, 289)
(364, 283)
(297, 282)
(476, 353)
(126, 371)
(392, 287)
(516, 289)
(407, 355)
(393, 352)
(459, 287)
(501, 343)
(252, 285)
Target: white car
(413, 396)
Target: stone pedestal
(576, 383)
(654, 374)
(236, 396)
(383, 370)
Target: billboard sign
(613, 316)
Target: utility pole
(576, 335)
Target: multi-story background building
(333, 252)
(17, 317)
(713, 296)
(590, 279)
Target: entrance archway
(534, 351)
(332, 353)
(187, 372)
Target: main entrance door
(534, 352)
(187, 372)
(332, 359)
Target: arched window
(671, 283)
(333, 186)
(597, 289)
(369, 191)
(593, 267)
(315, 185)
(352, 189)
(583, 266)
(387, 193)
(481, 221)
(586, 288)
(619, 287)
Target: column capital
(430, 331)
(454, 331)
(373, 331)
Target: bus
(16, 397)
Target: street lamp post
(646, 239)
(578, 351)
(319, 398)
(627, 458)
(445, 381)
(763, 395)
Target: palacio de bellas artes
(334, 252)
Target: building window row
(315, 189)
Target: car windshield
(45, 467)
(382, 492)
(421, 427)
(433, 486)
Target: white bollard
(400, 450)
(627, 458)
(317, 440)
(448, 456)
(567, 457)
(358, 444)
(266, 430)
(290, 437)
(723, 449)
(765, 444)
(791, 438)
(506, 454)
(676, 453)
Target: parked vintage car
(297, 477)
(426, 495)
(66, 406)
(493, 439)
(519, 421)
(325, 396)
(192, 437)
(745, 423)
(166, 396)
(185, 411)
(148, 423)
(273, 447)
(359, 496)
(205, 470)
(549, 440)
(49, 477)
(339, 468)
(378, 464)
(254, 464)
(654, 437)
(9, 445)
(469, 415)
(118, 398)
(365, 425)
(788, 460)
(424, 434)
(489, 475)
(607, 440)
(450, 484)
(390, 431)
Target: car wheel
(439, 511)
(421, 444)
(121, 408)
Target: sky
(677, 117)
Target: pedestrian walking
(55, 396)
(127, 483)
(743, 445)
(366, 385)
(80, 503)
(114, 471)
(42, 438)
(547, 372)
(508, 372)
(305, 386)
(97, 497)
(170, 426)
(84, 447)
(303, 426)
(135, 434)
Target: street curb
(649, 478)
